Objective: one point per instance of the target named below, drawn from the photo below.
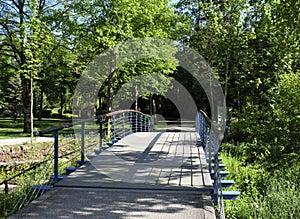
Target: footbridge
(129, 166)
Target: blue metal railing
(117, 122)
(41, 177)
(209, 140)
(210, 145)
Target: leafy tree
(104, 24)
(13, 97)
(24, 36)
(31, 31)
(286, 104)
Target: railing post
(55, 157)
(130, 122)
(101, 133)
(123, 125)
(82, 142)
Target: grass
(11, 129)
(69, 150)
(263, 194)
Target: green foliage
(281, 200)
(273, 140)
(248, 178)
(263, 194)
(13, 98)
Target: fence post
(123, 125)
(130, 122)
(55, 157)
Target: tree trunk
(226, 76)
(41, 101)
(31, 107)
(100, 104)
(25, 81)
(26, 104)
(110, 84)
(136, 97)
(62, 101)
(110, 91)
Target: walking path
(145, 175)
(18, 141)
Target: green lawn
(11, 129)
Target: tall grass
(263, 194)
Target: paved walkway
(18, 141)
(157, 160)
(118, 203)
(145, 175)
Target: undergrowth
(264, 193)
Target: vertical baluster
(130, 122)
(136, 121)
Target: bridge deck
(157, 160)
(144, 175)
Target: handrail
(143, 124)
(69, 125)
(210, 143)
(43, 175)
(207, 119)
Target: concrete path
(18, 141)
(147, 160)
(118, 203)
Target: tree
(286, 104)
(13, 97)
(109, 23)
(249, 44)
(29, 41)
